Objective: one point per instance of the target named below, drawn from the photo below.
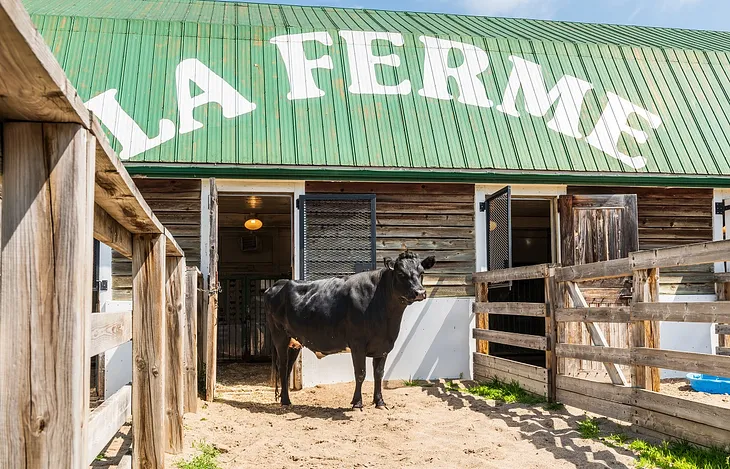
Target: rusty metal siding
(134, 46)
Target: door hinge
(721, 208)
(482, 206)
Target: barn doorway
(255, 246)
(531, 233)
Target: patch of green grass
(678, 455)
(617, 438)
(588, 428)
(506, 392)
(411, 383)
(205, 460)
(553, 406)
(451, 386)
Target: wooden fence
(634, 398)
(62, 186)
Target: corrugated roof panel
(137, 54)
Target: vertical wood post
(174, 301)
(211, 329)
(190, 344)
(148, 351)
(723, 294)
(553, 300)
(637, 329)
(482, 296)
(45, 305)
(653, 377)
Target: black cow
(361, 312)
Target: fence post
(723, 294)
(148, 351)
(637, 329)
(190, 337)
(45, 306)
(553, 300)
(652, 329)
(174, 297)
(482, 296)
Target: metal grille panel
(499, 230)
(338, 235)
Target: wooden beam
(594, 271)
(621, 356)
(34, 86)
(190, 341)
(174, 389)
(482, 373)
(637, 330)
(106, 420)
(211, 329)
(534, 342)
(510, 366)
(722, 329)
(692, 254)
(482, 319)
(45, 305)
(109, 330)
(110, 232)
(597, 337)
(651, 329)
(722, 351)
(596, 314)
(148, 350)
(516, 273)
(513, 309)
(717, 311)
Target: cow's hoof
(357, 405)
(285, 403)
(381, 405)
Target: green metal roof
(136, 46)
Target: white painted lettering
(130, 136)
(298, 67)
(569, 93)
(613, 122)
(215, 90)
(437, 72)
(362, 62)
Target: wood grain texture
(110, 232)
(717, 311)
(597, 314)
(190, 344)
(514, 309)
(515, 273)
(534, 342)
(693, 254)
(510, 366)
(109, 330)
(148, 351)
(211, 341)
(45, 306)
(174, 376)
(106, 420)
(482, 319)
(482, 373)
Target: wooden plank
(621, 356)
(605, 391)
(106, 420)
(510, 366)
(718, 311)
(516, 273)
(683, 361)
(172, 248)
(109, 330)
(594, 271)
(723, 351)
(597, 337)
(692, 254)
(34, 86)
(722, 329)
(482, 373)
(682, 429)
(510, 338)
(45, 305)
(553, 299)
(637, 330)
(482, 319)
(211, 329)
(148, 351)
(597, 314)
(110, 232)
(513, 309)
(598, 406)
(686, 409)
(651, 329)
(174, 321)
(190, 341)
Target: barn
(278, 141)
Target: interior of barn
(255, 249)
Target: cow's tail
(275, 371)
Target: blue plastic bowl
(709, 384)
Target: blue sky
(695, 14)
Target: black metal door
(498, 208)
(337, 235)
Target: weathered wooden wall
(671, 217)
(430, 219)
(176, 202)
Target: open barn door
(597, 228)
(498, 207)
(337, 235)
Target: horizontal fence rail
(109, 330)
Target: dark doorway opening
(250, 259)
(532, 243)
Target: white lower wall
(434, 342)
(685, 336)
(118, 359)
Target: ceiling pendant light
(253, 223)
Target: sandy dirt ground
(681, 388)
(425, 427)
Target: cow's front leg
(378, 372)
(358, 363)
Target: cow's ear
(428, 262)
(389, 264)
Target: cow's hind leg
(378, 372)
(358, 362)
(280, 339)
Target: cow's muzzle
(419, 296)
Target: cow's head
(408, 271)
